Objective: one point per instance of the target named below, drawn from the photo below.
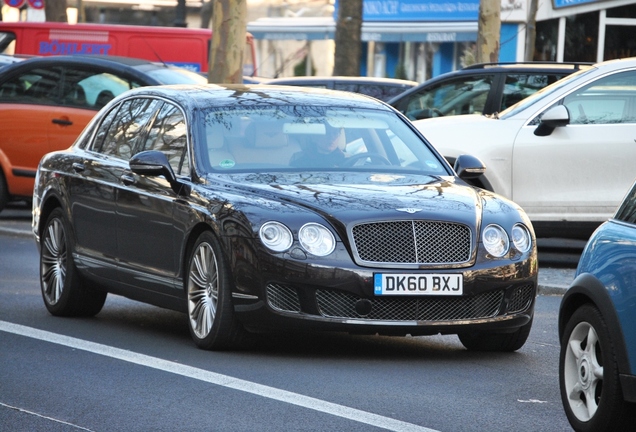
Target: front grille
(521, 299)
(336, 304)
(412, 242)
(283, 298)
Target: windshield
(311, 138)
(544, 92)
(176, 76)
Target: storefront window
(545, 48)
(581, 37)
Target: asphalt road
(133, 367)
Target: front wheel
(502, 342)
(588, 375)
(212, 321)
(62, 290)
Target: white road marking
(217, 379)
(45, 417)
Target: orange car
(46, 102)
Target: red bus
(184, 47)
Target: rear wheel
(4, 192)
(62, 290)
(588, 375)
(212, 321)
(489, 341)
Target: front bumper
(496, 297)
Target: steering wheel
(353, 160)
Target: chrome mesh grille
(521, 299)
(283, 298)
(335, 304)
(412, 242)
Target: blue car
(597, 329)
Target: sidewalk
(555, 281)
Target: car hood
(459, 134)
(346, 198)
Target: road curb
(16, 232)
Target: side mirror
(469, 167)
(152, 163)
(553, 118)
(155, 163)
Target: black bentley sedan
(262, 208)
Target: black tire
(60, 283)
(592, 401)
(4, 192)
(211, 319)
(501, 342)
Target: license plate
(417, 284)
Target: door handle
(63, 122)
(78, 167)
(127, 179)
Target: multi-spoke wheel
(213, 324)
(62, 291)
(588, 375)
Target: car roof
(489, 68)
(343, 79)
(229, 95)
(527, 66)
(97, 60)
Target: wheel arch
(193, 235)
(50, 203)
(587, 289)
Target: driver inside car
(321, 150)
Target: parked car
(215, 201)
(379, 88)
(597, 363)
(483, 88)
(563, 154)
(45, 102)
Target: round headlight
(521, 238)
(495, 240)
(316, 239)
(276, 236)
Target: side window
(464, 95)
(607, 100)
(36, 86)
(169, 135)
(86, 88)
(627, 210)
(102, 131)
(520, 86)
(127, 126)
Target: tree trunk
(531, 30)
(55, 10)
(488, 33)
(229, 29)
(348, 38)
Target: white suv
(565, 154)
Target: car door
(580, 171)
(92, 191)
(148, 238)
(27, 104)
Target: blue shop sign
(418, 10)
(558, 4)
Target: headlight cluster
(497, 243)
(314, 238)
